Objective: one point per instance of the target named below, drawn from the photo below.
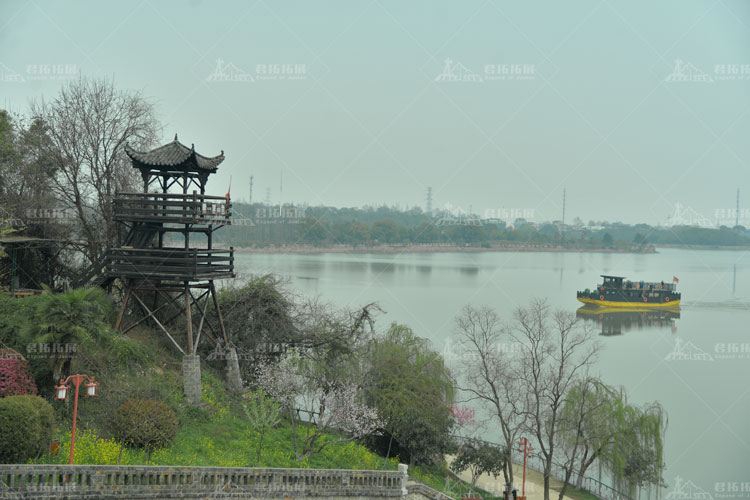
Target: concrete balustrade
(166, 482)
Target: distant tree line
(259, 225)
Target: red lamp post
(61, 393)
(526, 449)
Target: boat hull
(628, 305)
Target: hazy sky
(351, 100)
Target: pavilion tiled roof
(174, 154)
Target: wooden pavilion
(155, 275)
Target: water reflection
(468, 270)
(617, 321)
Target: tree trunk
(547, 475)
(568, 473)
(582, 467)
(509, 462)
(260, 448)
(388, 453)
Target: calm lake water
(697, 365)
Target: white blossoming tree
(338, 410)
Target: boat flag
(230, 188)
(674, 278)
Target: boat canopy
(612, 281)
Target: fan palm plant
(78, 317)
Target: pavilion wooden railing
(172, 208)
(170, 263)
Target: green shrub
(25, 427)
(145, 423)
(14, 315)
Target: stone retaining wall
(47, 482)
(420, 491)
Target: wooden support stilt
(171, 300)
(122, 312)
(189, 316)
(144, 306)
(203, 317)
(218, 312)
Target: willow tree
(412, 389)
(591, 417)
(636, 456)
(598, 424)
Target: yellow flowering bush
(90, 449)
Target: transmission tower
(429, 200)
(250, 200)
(737, 211)
(563, 214)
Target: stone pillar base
(403, 469)
(234, 379)
(191, 374)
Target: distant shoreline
(390, 249)
(706, 247)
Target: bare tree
(88, 124)
(557, 349)
(487, 373)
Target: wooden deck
(20, 293)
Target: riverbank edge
(744, 248)
(393, 249)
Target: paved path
(534, 483)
